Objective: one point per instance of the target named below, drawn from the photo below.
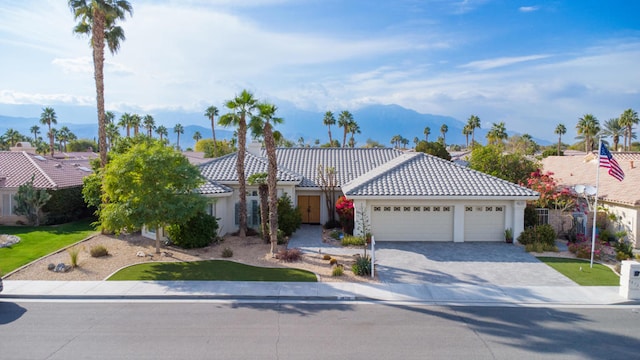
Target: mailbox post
(630, 280)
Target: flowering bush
(582, 248)
(344, 208)
(550, 193)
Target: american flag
(607, 161)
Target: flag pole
(595, 205)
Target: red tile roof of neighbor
(574, 170)
(17, 168)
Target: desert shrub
(624, 250)
(335, 234)
(98, 251)
(326, 257)
(542, 233)
(337, 270)
(227, 253)
(540, 247)
(290, 255)
(362, 266)
(289, 218)
(73, 255)
(349, 240)
(333, 261)
(552, 151)
(332, 224)
(582, 249)
(198, 232)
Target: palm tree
(261, 124)
(149, 123)
(98, 20)
(197, 136)
(112, 133)
(35, 130)
(49, 117)
(560, 130)
(613, 129)
(329, 120)
(427, 131)
(588, 126)
(628, 118)
(12, 136)
(466, 131)
(395, 140)
(497, 134)
(211, 114)
(474, 123)
(54, 135)
(241, 108)
(125, 123)
(344, 120)
(178, 129)
(443, 130)
(354, 128)
(416, 140)
(162, 131)
(404, 142)
(136, 122)
(109, 116)
(65, 135)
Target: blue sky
(531, 64)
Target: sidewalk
(436, 294)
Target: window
(446, 208)
(387, 208)
(543, 216)
(376, 208)
(8, 202)
(426, 208)
(407, 208)
(211, 209)
(416, 208)
(468, 208)
(499, 208)
(436, 208)
(253, 213)
(488, 208)
(396, 208)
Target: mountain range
(377, 122)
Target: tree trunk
(158, 229)
(330, 140)
(242, 207)
(263, 190)
(97, 38)
(272, 181)
(213, 134)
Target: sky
(530, 64)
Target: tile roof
(223, 169)
(349, 163)
(574, 170)
(212, 187)
(17, 167)
(418, 174)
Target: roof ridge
(44, 173)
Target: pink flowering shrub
(344, 208)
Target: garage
(484, 223)
(394, 222)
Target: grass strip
(579, 271)
(212, 270)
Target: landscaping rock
(8, 240)
(51, 266)
(60, 268)
(141, 254)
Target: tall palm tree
(560, 130)
(329, 120)
(54, 134)
(197, 136)
(162, 131)
(628, 118)
(344, 119)
(12, 136)
(178, 129)
(262, 124)
(466, 131)
(354, 128)
(615, 130)
(474, 123)
(149, 123)
(49, 117)
(35, 130)
(404, 142)
(65, 135)
(443, 130)
(125, 123)
(109, 116)
(98, 20)
(416, 140)
(395, 140)
(242, 107)
(112, 133)
(136, 122)
(588, 126)
(427, 131)
(211, 114)
(497, 134)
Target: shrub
(530, 216)
(227, 253)
(582, 249)
(344, 208)
(332, 224)
(289, 218)
(540, 247)
(362, 266)
(542, 233)
(624, 250)
(290, 255)
(198, 232)
(333, 261)
(552, 151)
(337, 270)
(65, 205)
(326, 257)
(98, 251)
(73, 255)
(350, 240)
(336, 234)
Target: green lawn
(579, 271)
(220, 270)
(36, 242)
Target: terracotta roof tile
(17, 168)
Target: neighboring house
(621, 198)
(404, 196)
(21, 163)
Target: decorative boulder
(60, 268)
(51, 266)
(141, 254)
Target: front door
(309, 207)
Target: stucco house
(406, 196)
(18, 165)
(621, 198)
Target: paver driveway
(446, 263)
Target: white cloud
(528, 8)
(16, 97)
(501, 62)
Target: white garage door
(412, 222)
(484, 223)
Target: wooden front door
(309, 207)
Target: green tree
(474, 123)
(628, 118)
(151, 185)
(149, 123)
(427, 131)
(29, 201)
(497, 134)
(178, 129)
(197, 136)
(490, 159)
(162, 131)
(588, 126)
(112, 133)
(242, 108)
(344, 120)
(81, 145)
(433, 148)
(612, 128)
(125, 123)
(466, 131)
(35, 130)
(49, 117)
(12, 136)
(354, 128)
(443, 130)
(260, 179)
(211, 114)
(136, 122)
(98, 20)
(329, 120)
(560, 130)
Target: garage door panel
(484, 223)
(412, 223)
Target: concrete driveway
(445, 263)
